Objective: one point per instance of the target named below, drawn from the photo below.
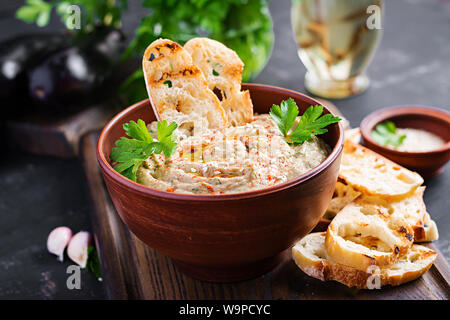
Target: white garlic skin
(78, 248)
(57, 241)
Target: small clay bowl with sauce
(224, 237)
(434, 120)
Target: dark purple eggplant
(72, 77)
(19, 54)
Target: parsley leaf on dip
(129, 154)
(311, 122)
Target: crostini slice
(178, 90)
(222, 68)
(310, 255)
(342, 196)
(362, 235)
(373, 174)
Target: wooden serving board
(131, 270)
(57, 136)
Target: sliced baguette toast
(413, 210)
(222, 68)
(342, 196)
(364, 234)
(354, 135)
(311, 257)
(372, 174)
(178, 89)
(430, 230)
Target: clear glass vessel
(336, 41)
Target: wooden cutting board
(131, 270)
(57, 136)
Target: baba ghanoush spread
(235, 159)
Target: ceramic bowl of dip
(428, 120)
(224, 237)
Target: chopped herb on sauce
(386, 133)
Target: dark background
(411, 66)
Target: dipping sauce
(417, 141)
(235, 159)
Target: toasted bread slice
(413, 209)
(178, 89)
(343, 195)
(372, 174)
(430, 230)
(311, 257)
(222, 68)
(364, 234)
(354, 135)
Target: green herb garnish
(169, 83)
(311, 122)
(386, 133)
(92, 263)
(100, 12)
(131, 153)
(214, 72)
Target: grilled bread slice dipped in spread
(222, 68)
(178, 89)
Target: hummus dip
(417, 141)
(235, 159)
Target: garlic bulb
(78, 248)
(57, 241)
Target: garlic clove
(57, 241)
(78, 248)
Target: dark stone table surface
(411, 66)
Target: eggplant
(72, 77)
(21, 53)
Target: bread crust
(373, 174)
(429, 231)
(354, 135)
(383, 214)
(310, 256)
(222, 68)
(177, 87)
(363, 235)
(343, 195)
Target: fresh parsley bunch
(386, 133)
(311, 122)
(131, 153)
(95, 12)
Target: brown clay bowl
(227, 237)
(437, 121)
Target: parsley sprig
(131, 153)
(311, 122)
(386, 133)
(99, 12)
(93, 263)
